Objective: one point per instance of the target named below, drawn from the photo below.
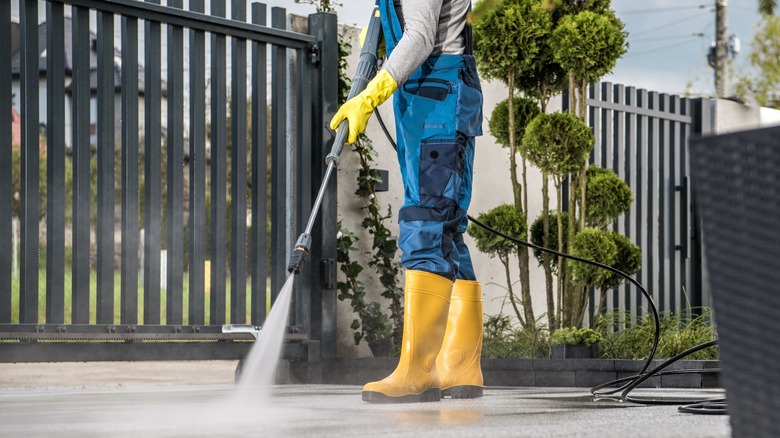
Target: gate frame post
(323, 27)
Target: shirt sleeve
(421, 22)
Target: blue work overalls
(438, 112)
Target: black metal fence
(164, 153)
(644, 137)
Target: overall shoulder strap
(391, 24)
(468, 38)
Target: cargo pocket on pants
(441, 170)
(468, 118)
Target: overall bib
(438, 112)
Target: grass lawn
(117, 299)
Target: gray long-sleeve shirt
(430, 26)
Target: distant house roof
(68, 35)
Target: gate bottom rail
(21, 343)
(125, 332)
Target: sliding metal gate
(644, 137)
(173, 185)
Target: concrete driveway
(198, 399)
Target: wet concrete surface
(199, 400)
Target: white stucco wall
(730, 116)
(769, 116)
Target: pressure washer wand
(366, 69)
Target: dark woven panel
(737, 188)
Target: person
(432, 75)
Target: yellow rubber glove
(358, 110)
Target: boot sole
(465, 391)
(431, 395)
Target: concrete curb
(508, 372)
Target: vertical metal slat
(675, 181)
(175, 206)
(129, 268)
(238, 170)
(6, 189)
(666, 195)
(641, 193)
(683, 140)
(278, 157)
(621, 168)
(81, 158)
(30, 156)
(105, 177)
(152, 171)
(259, 172)
(55, 168)
(652, 201)
(197, 218)
(607, 142)
(594, 157)
(218, 169)
(702, 124)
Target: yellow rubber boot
(458, 362)
(426, 302)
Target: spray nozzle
(299, 253)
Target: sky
(668, 39)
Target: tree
(606, 247)
(628, 260)
(536, 47)
(608, 198)
(550, 239)
(607, 195)
(558, 144)
(508, 37)
(762, 85)
(525, 110)
(587, 45)
(767, 7)
(587, 42)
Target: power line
(674, 37)
(671, 23)
(670, 46)
(663, 9)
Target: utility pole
(721, 48)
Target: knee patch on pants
(427, 239)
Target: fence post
(701, 112)
(324, 28)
